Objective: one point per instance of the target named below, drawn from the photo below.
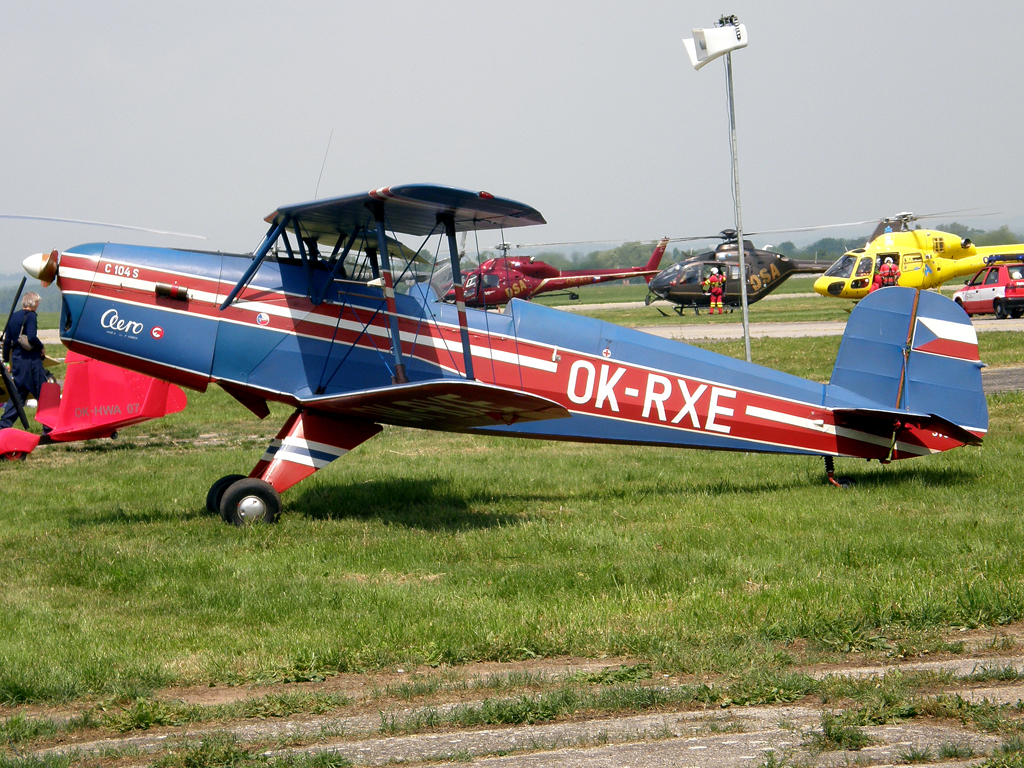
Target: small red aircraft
(98, 400)
(498, 281)
(350, 355)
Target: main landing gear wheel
(250, 502)
(14, 456)
(1000, 310)
(217, 492)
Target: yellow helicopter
(926, 258)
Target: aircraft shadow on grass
(938, 477)
(117, 514)
(427, 504)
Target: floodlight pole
(705, 46)
(736, 200)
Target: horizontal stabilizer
(450, 405)
(904, 430)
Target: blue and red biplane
(289, 323)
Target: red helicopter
(498, 281)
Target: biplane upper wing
(451, 405)
(411, 209)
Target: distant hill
(49, 298)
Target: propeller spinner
(42, 266)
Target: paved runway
(791, 330)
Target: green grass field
(421, 547)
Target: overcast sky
(203, 117)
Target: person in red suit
(715, 287)
(889, 273)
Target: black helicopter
(683, 283)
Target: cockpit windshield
(843, 267)
(692, 274)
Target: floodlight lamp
(706, 45)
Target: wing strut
(448, 220)
(257, 258)
(389, 292)
(337, 262)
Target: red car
(997, 290)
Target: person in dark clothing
(25, 360)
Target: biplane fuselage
(196, 318)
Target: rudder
(914, 351)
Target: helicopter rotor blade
(814, 228)
(101, 224)
(943, 214)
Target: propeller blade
(9, 385)
(49, 270)
(12, 392)
(14, 306)
(100, 224)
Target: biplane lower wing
(326, 428)
(450, 405)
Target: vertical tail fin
(914, 351)
(654, 262)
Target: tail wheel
(999, 309)
(250, 502)
(217, 492)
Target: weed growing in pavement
(837, 734)
(955, 750)
(143, 714)
(33, 761)
(614, 676)
(224, 750)
(915, 755)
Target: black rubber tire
(997, 307)
(217, 491)
(250, 502)
(14, 456)
(1016, 313)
